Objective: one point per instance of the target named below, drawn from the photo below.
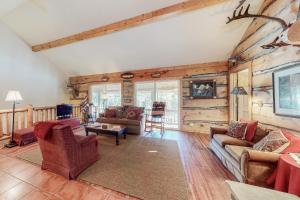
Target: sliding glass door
(167, 91)
(105, 95)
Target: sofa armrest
(266, 160)
(216, 130)
(261, 156)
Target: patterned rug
(143, 167)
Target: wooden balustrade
(26, 117)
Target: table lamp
(13, 96)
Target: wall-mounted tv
(64, 111)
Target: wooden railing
(26, 117)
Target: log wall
(262, 63)
(195, 115)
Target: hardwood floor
(21, 180)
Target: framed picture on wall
(203, 89)
(286, 91)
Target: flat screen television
(64, 111)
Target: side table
(288, 175)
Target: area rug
(143, 167)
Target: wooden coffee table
(108, 129)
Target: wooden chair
(156, 118)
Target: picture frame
(286, 91)
(203, 89)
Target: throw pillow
(251, 129)
(260, 133)
(119, 112)
(133, 113)
(294, 146)
(110, 113)
(237, 129)
(275, 142)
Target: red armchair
(67, 154)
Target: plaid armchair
(67, 154)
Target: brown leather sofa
(134, 127)
(247, 165)
(66, 153)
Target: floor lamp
(13, 96)
(238, 91)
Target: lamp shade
(13, 95)
(239, 91)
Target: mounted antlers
(290, 34)
(241, 14)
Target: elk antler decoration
(240, 4)
(239, 14)
(289, 31)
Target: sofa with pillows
(250, 151)
(129, 116)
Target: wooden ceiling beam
(126, 23)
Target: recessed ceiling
(197, 36)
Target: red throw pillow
(294, 146)
(133, 113)
(251, 129)
(237, 129)
(110, 113)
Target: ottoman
(24, 136)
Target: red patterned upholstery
(67, 154)
(24, 136)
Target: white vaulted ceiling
(191, 37)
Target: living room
(195, 99)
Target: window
(105, 95)
(167, 91)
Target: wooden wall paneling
(220, 115)
(204, 103)
(1, 125)
(213, 111)
(167, 72)
(250, 91)
(266, 115)
(128, 93)
(273, 9)
(262, 80)
(264, 62)
(288, 13)
(201, 127)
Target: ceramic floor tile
(36, 195)
(18, 191)
(17, 166)
(28, 173)
(73, 190)
(40, 178)
(7, 182)
(94, 194)
(54, 184)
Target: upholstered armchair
(67, 154)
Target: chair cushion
(119, 121)
(237, 129)
(236, 151)
(223, 140)
(275, 142)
